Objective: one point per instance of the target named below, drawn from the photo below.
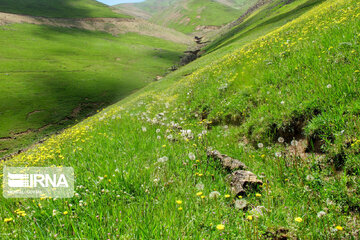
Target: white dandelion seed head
(294, 143)
(143, 129)
(260, 145)
(214, 194)
(192, 156)
(309, 177)
(321, 214)
(200, 186)
(163, 159)
(329, 86)
(278, 154)
(281, 139)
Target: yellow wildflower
(220, 227)
(258, 195)
(227, 195)
(180, 208)
(179, 202)
(298, 219)
(8, 219)
(199, 194)
(250, 218)
(66, 212)
(340, 228)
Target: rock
(227, 162)
(243, 181)
(241, 204)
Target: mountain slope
(285, 104)
(58, 8)
(187, 15)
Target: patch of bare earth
(113, 26)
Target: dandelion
(294, 143)
(227, 195)
(157, 130)
(321, 214)
(329, 86)
(214, 194)
(339, 228)
(220, 227)
(309, 178)
(260, 145)
(258, 195)
(250, 218)
(202, 197)
(199, 194)
(144, 129)
(200, 186)
(8, 220)
(282, 102)
(192, 156)
(178, 202)
(65, 213)
(180, 208)
(281, 139)
(163, 159)
(298, 219)
(278, 154)
(163, 146)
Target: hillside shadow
(51, 8)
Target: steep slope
(267, 16)
(285, 104)
(58, 8)
(187, 15)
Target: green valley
(51, 77)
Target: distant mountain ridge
(187, 16)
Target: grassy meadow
(59, 8)
(139, 177)
(51, 77)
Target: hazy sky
(113, 2)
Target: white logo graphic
(36, 182)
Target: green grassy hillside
(286, 104)
(187, 15)
(51, 77)
(58, 8)
(263, 20)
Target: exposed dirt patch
(4, 150)
(3, 139)
(113, 26)
(19, 134)
(32, 113)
